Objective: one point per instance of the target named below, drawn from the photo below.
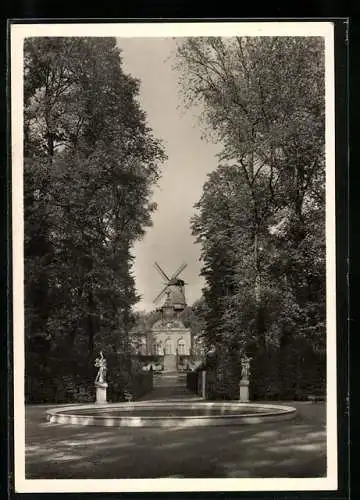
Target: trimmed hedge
(135, 386)
(192, 381)
(149, 358)
(72, 381)
(58, 380)
(291, 373)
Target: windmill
(174, 289)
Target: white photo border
(18, 32)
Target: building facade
(170, 337)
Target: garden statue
(101, 364)
(245, 368)
(100, 381)
(244, 381)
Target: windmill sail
(161, 293)
(180, 270)
(161, 271)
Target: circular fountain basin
(170, 414)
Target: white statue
(245, 367)
(101, 364)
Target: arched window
(156, 348)
(181, 346)
(168, 349)
(159, 348)
(143, 347)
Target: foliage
(122, 383)
(90, 162)
(261, 218)
(193, 317)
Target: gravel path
(294, 448)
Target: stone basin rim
(169, 402)
(68, 413)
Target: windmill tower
(170, 337)
(175, 301)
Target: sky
(169, 241)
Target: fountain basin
(170, 414)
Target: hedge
(292, 373)
(61, 380)
(192, 381)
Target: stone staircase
(170, 385)
(169, 363)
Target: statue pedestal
(203, 384)
(244, 391)
(101, 393)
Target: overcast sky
(169, 241)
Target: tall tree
(263, 100)
(90, 164)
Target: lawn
(289, 448)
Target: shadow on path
(294, 448)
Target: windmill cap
(176, 281)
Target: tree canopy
(261, 217)
(90, 161)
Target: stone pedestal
(203, 384)
(244, 391)
(101, 393)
